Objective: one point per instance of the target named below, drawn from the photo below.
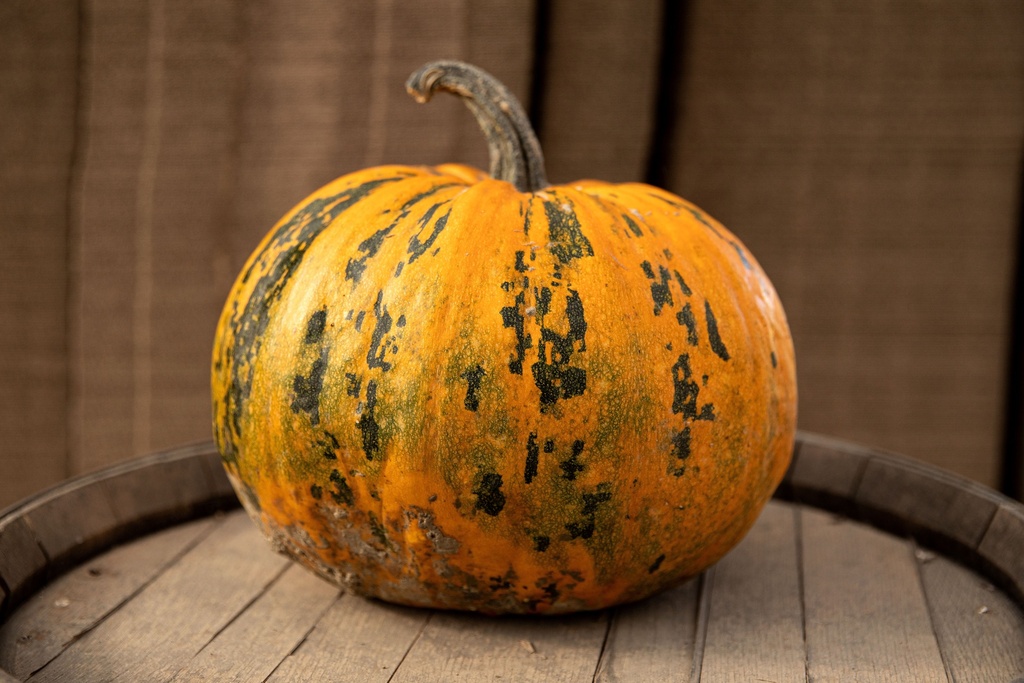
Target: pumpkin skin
(436, 389)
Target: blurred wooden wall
(867, 151)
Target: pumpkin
(447, 389)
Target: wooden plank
(979, 628)
(256, 642)
(755, 625)
(154, 635)
(1003, 546)
(865, 612)
(939, 506)
(168, 487)
(77, 518)
(356, 641)
(71, 605)
(38, 98)
(22, 560)
(826, 472)
(470, 647)
(654, 639)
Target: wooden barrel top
(866, 567)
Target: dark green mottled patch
(353, 384)
(532, 458)
(418, 248)
(473, 376)
(307, 389)
(315, 327)
(716, 341)
(686, 391)
(489, 497)
(585, 526)
(278, 260)
(567, 239)
(342, 493)
(572, 466)
(634, 228)
(512, 318)
(378, 340)
(367, 423)
(682, 283)
(680, 452)
(661, 293)
(685, 318)
(553, 373)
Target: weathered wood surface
(808, 595)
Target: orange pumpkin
(446, 389)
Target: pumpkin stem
(515, 151)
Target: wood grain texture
(468, 647)
(376, 638)
(599, 89)
(652, 640)
(755, 624)
(1002, 547)
(71, 605)
(255, 643)
(79, 518)
(211, 601)
(823, 474)
(850, 146)
(168, 487)
(922, 500)
(22, 561)
(858, 625)
(154, 635)
(38, 93)
(979, 629)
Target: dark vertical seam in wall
(538, 76)
(667, 107)
(79, 142)
(1011, 479)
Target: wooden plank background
(869, 153)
